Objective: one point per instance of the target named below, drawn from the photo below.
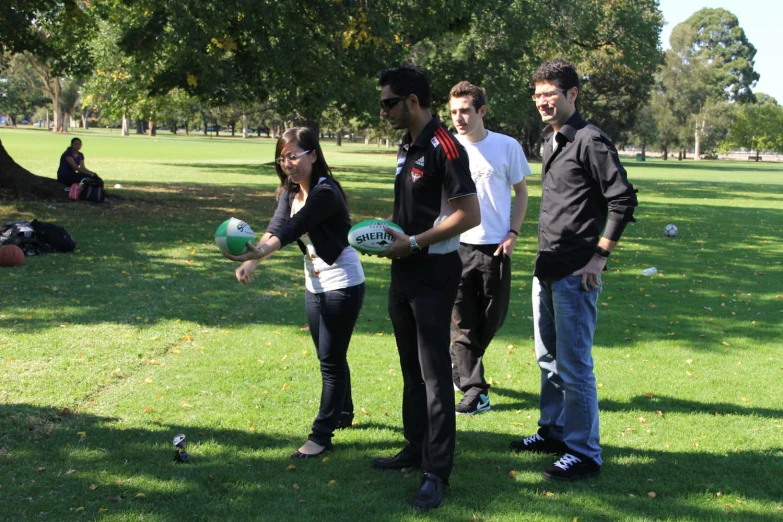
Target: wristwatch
(415, 248)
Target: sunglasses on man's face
(388, 104)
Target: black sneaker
(571, 467)
(473, 405)
(538, 444)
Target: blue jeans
(331, 316)
(565, 317)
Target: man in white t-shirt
(497, 165)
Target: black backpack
(92, 190)
(36, 237)
(55, 236)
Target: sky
(762, 21)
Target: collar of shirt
(567, 131)
(424, 136)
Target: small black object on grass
(181, 456)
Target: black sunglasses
(388, 104)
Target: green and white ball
(232, 236)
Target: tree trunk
(47, 118)
(125, 131)
(244, 126)
(151, 128)
(139, 126)
(697, 143)
(340, 138)
(644, 149)
(757, 155)
(85, 119)
(17, 182)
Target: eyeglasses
(293, 158)
(388, 104)
(548, 95)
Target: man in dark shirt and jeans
(586, 203)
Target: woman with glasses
(312, 210)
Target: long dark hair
(306, 139)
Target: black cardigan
(324, 218)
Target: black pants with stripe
(421, 296)
(480, 309)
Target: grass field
(143, 333)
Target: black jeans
(421, 296)
(480, 309)
(331, 316)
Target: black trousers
(421, 296)
(479, 311)
(331, 316)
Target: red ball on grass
(11, 255)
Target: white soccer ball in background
(670, 230)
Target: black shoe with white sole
(538, 443)
(571, 467)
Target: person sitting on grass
(72, 169)
(312, 210)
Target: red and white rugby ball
(370, 236)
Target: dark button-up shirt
(583, 185)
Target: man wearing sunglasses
(586, 203)
(434, 202)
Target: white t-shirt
(496, 163)
(321, 277)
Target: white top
(321, 277)
(496, 163)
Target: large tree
(17, 30)
(614, 46)
(756, 127)
(710, 63)
(303, 56)
(61, 34)
(17, 98)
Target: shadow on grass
(61, 465)
(153, 256)
(676, 405)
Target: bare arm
(517, 217)
(467, 214)
(79, 168)
(251, 259)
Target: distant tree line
(257, 67)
